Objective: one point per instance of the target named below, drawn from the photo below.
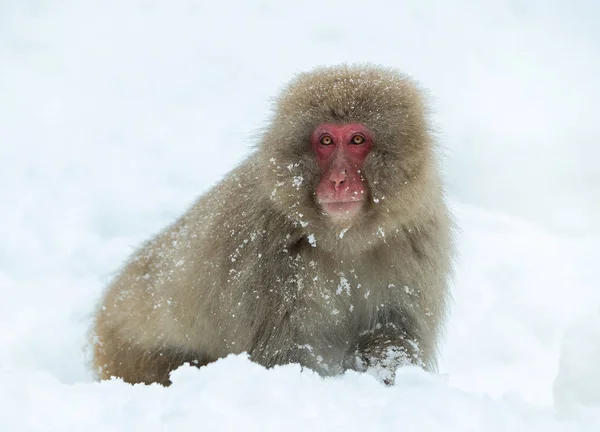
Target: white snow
(577, 386)
(115, 115)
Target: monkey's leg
(380, 352)
(136, 364)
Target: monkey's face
(340, 151)
(347, 150)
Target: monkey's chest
(323, 320)
(322, 308)
(329, 307)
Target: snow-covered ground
(116, 114)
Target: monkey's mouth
(342, 210)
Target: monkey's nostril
(339, 182)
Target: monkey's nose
(338, 177)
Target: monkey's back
(206, 287)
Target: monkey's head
(349, 146)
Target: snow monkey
(329, 246)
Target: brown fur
(254, 265)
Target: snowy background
(116, 114)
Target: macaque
(330, 246)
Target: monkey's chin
(342, 211)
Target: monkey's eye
(358, 139)
(326, 140)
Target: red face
(341, 150)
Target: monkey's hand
(380, 355)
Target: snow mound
(236, 394)
(577, 385)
